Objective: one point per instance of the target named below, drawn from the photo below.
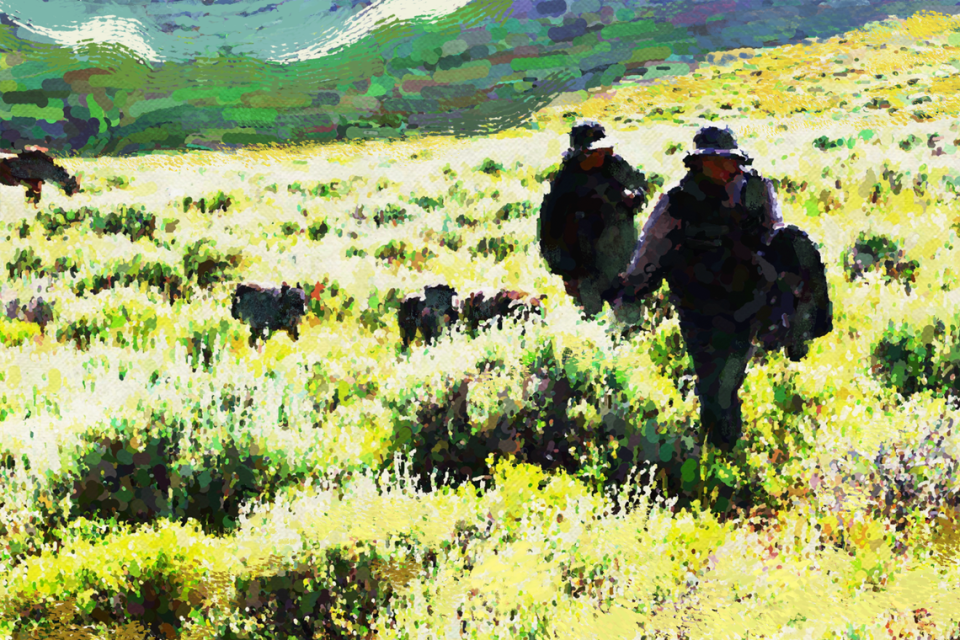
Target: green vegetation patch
(880, 254)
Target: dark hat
(714, 141)
(587, 134)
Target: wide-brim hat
(590, 135)
(714, 141)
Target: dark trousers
(720, 349)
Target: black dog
(267, 310)
(32, 169)
(429, 312)
(480, 308)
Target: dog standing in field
(482, 307)
(268, 309)
(428, 312)
(31, 169)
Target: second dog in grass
(438, 306)
(267, 310)
(428, 312)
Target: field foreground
(160, 475)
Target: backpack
(799, 307)
(785, 296)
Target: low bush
(208, 204)
(325, 301)
(134, 476)
(133, 223)
(823, 143)
(426, 202)
(499, 247)
(381, 311)
(290, 228)
(338, 594)
(515, 211)
(158, 275)
(205, 263)
(912, 360)
(317, 230)
(391, 213)
(399, 252)
(55, 220)
(558, 414)
(490, 167)
(880, 253)
(25, 260)
(332, 189)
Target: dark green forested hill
(485, 66)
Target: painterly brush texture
(335, 391)
(100, 76)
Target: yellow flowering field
(162, 477)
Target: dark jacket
(585, 199)
(704, 240)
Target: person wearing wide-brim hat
(586, 224)
(718, 240)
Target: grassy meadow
(161, 477)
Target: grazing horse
(31, 169)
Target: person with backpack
(586, 227)
(736, 274)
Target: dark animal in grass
(37, 311)
(428, 312)
(31, 169)
(483, 307)
(269, 309)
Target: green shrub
(397, 251)
(426, 202)
(355, 252)
(392, 213)
(203, 262)
(547, 174)
(317, 230)
(158, 275)
(118, 182)
(541, 422)
(669, 354)
(490, 167)
(138, 478)
(338, 595)
(290, 228)
(823, 143)
(57, 220)
(83, 332)
(876, 253)
(910, 360)
(381, 309)
(133, 223)
(332, 189)
(203, 342)
(208, 204)
(498, 247)
(515, 210)
(910, 142)
(324, 300)
(24, 261)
